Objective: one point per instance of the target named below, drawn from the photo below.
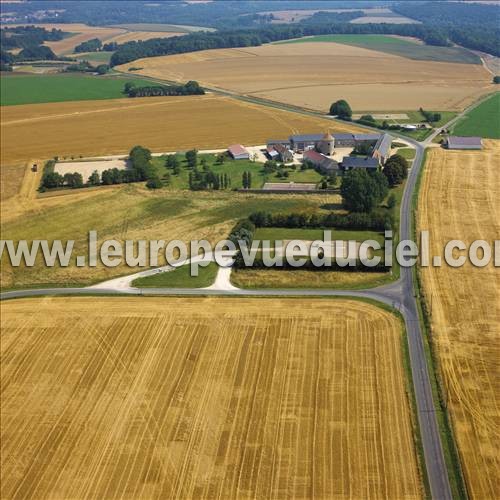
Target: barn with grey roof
(457, 142)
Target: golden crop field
(133, 36)
(459, 200)
(316, 74)
(203, 398)
(92, 128)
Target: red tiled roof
(237, 149)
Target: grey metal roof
(306, 137)
(457, 141)
(343, 137)
(383, 145)
(367, 137)
(358, 162)
(278, 141)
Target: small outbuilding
(457, 142)
(322, 163)
(354, 162)
(238, 152)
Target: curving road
(399, 294)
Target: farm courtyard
(187, 398)
(314, 75)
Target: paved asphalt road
(399, 295)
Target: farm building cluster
(320, 149)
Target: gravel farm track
(399, 295)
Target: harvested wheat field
(316, 74)
(134, 36)
(465, 304)
(203, 398)
(92, 128)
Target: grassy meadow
(34, 89)
(180, 278)
(399, 47)
(483, 120)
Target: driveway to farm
(399, 295)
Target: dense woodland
(29, 39)
(215, 14)
(475, 26)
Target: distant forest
(29, 39)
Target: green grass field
(234, 170)
(34, 89)
(483, 120)
(408, 153)
(398, 47)
(180, 278)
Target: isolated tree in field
(362, 191)
(95, 178)
(226, 181)
(244, 180)
(396, 170)
(249, 180)
(192, 158)
(341, 109)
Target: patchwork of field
(120, 34)
(464, 303)
(314, 75)
(198, 398)
(93, 128)
(81, 33)
(408, 47)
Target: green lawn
(399, 47)
(483, 121)
(33, 89)
(408, 153)
(234, 170)
(180, 278)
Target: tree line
(139, 169)
(190, 88)
(432, 35)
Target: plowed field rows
(203, 398)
